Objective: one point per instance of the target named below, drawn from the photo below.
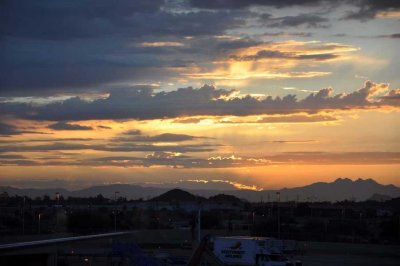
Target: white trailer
(249, 251)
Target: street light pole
(23, 217)
(278, 194)
(115, 211)
(40, 215)
(58, 204)
(254, 223)
(199, 225)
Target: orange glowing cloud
(271, 60)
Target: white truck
(250, 251)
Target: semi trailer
(250, 251)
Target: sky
(249, 94)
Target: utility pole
(58, 204)
(23, 217)
(399, 226)
(254, 223)
(115, 211)
(40, 216)
(278, 195)
(199, 226)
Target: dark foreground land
(175, 247)
(163, 230)
(343, 254)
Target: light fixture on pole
(115, 211)
(58, 204)
(23, 217)
(39, 217)
(278, 195)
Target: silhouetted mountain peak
(224, 198)
(176, 195)
(358, 181)
(340, 189)
(367, 181)
(379, 197)
(343, 181)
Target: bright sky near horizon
(257, 93)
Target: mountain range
(340, 189)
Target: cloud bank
(145, 104)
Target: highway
(56, 240)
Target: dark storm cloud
(21, 162)
(307, 20)
(11, 156)
(133, 132)
(104, 127)
(7, 130)
(275, 54)
(365, 9)
(153, 159)
(237, 44)
(10, 130)
(61, 20)
(47, 140)
(32, 67)
(390, 36)
(166, 137)
(296, 118)
(57, 46)
(393, 97)
(237, 4)
(288, 34)
(230, 161)
(67, 20)
(146, 104)
(291, 141)
(125, 147)
(67, 126)
(368, 9)
(338, 158)
(41, 67)
(49, 47)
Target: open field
(343, 254)
(164, 244)
(313, 253)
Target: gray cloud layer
(68, 20)
(162, 158)
(144, 104)
(7, 129)
(49, 46)
(122, 147)
(166, 137)
(237, 4)
(267, 54)
(67, 126)
(10, 130)
(365, 9)
(63, 46)
(308, 20)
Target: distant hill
(124, 190)
(225, 198)
(340, 189)
(177, 195)
(379, 197)
(33, 192)
(346, 189)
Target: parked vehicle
(250, 251)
